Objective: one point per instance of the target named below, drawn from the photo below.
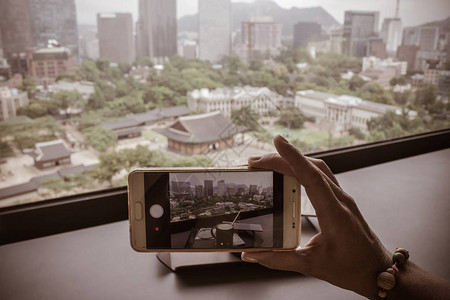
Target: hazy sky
(264, 179)
(412, 12)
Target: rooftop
(201, 128)
(50, 150)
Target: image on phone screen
(209, 210)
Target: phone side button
(138, 211)
(293, 209)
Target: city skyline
(412, 13)
(264, 179)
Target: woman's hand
(346, 252)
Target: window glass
(86, 95)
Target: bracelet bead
(382, 294)
(399, 258)
(386, 281)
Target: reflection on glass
(87, 95)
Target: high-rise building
(428, 38)
(54, 20)
(410, 36)
(221, 188)
(115, 36)
(208, 188)
(376, 47)
(10, 101)
(305, 32)
(391, 33)
(214, 29)
(32, 23)
(89, 47)
(157, 29)
(336, 40)
(15, 26)
(408, 53)
(259, 35)
(359, 26)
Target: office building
(428, 38)
(54, 20)
(15, 26)
(305, 32)
(359, 26)
(10, 101)
(376, 63)
(260, 35)
(115, 37)
(342, 112)
(376, 47)
(89, 48)
(391, 33)
(214, 29)
(444, 84)
(47, 63)
(336, 40)
(410, 36)
(221, 188)
(208, 190)
(156, 30)
(408, 53)
(225, 100)
(28, 24)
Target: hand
(346, 252)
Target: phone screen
(214, 210)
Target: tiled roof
(120, 124)
(51, 150)
(201, 128)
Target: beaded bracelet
(386, 279)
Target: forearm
(413, 282)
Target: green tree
(66, 99)
(100, 138)
(357, 133)
(426, 95)
(102, 64)
(247, 118)
(400, 80)
(96, 100)
(37, 109)
(28, 85)
(292, 118)
(88, 71)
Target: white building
(372, 62)
(343, 111)
(10, 101)
(214, 29)
(391, 33)
(261, 100)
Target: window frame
(59, 215)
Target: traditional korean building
(51, 154)
(200, 134)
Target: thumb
(294, 260)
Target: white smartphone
(210, 209)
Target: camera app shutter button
(156, 211)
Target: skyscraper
(15, 26)
(54, 20)
(31, 23)
(115, 37)
(157, 29)
(214, 29)
(428, 38)
(208, 187)
(359, 26)
(305, 32)
(260, 34)
(221, 188)
(391, 33)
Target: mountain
(288, 17)
(444, 25)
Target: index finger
(316, 185)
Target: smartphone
(210, 209)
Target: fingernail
(249, 259)
(253, 159)
(283, 139)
